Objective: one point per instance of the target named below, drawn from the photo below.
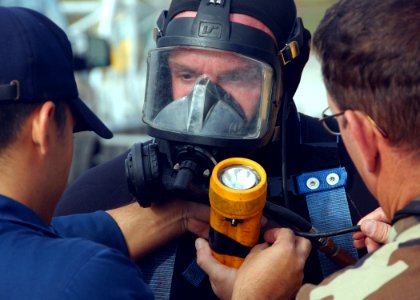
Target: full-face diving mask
(215, 95)
(214, 91)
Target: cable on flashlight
(299, 225)
(317, 235)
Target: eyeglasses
(333, 128)
(326, 120)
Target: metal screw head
(332, 179)
(312, 183)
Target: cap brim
(86, 120)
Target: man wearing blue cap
(82, 256)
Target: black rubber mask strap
(213, 20)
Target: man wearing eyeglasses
(369, 56)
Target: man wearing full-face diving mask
(220, 84)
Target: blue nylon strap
(194, 274)
(319, 181)
(328, 209)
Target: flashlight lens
(239, 177)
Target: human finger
(359, 243)
(371, 245)
(378, 215)
(303, 247)
(221, 277)
(199, 228)
(276, 235)
(377, 231)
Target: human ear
(364, 138)
(43, 125)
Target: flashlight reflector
(239, 177)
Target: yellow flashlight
(238, 190)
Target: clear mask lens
(209, 93)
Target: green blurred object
(312, 11)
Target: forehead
(199, 57)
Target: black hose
(301, 227)
(317, 235)
(284, 115)
(285, 217)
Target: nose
(210, 77)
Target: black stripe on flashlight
(223, 244)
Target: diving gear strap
(328, 209)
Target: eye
(231, 77)
(241, 76)
(186, 75)
(182, 72)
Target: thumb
(206, 260)
(377, 231)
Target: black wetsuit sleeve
(99, 188)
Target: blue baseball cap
(36, 65)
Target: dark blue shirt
(79, 257)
